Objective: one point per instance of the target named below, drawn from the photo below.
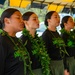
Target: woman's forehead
(33, 16)
(17, 13)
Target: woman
(54, 43)
(68, 36)
(34, 45)
(11, 61)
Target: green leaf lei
(71, 38)
(60, 44)
(40, 51)
(20, 51)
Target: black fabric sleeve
(46, 41)
(2, 58)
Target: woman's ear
(65, 24)
(48, 20)
(6, 20)
(25, 22)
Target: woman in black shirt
(68, 36)
(53, 42)
(35, 45)
(10, 60)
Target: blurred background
(41, 7)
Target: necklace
(58, 41)
(20, 51)
(39, 50)
(71, 37)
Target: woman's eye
(55, 16)
(34, 19)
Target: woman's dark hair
(64, 20)
(0, 25)
(7, 14)
(48, 16)
(27, 15)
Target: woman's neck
(67, 29)
(10, 32)
(32, 32)
(52, 28)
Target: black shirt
(9, 65)
(35, 61)
(53, 51)
(70, 50)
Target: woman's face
(70, 23)
(33, 22)
(16, 21)
(55, 19)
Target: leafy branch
(39, 50)
(20, 51)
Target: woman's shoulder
(46, 32)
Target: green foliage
(39, 50)
(71, 38)
(61, 45)
(20, 51)
(1, 10)
(59, 42)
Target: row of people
(18, 57)
(49, 54)
(55, 45)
